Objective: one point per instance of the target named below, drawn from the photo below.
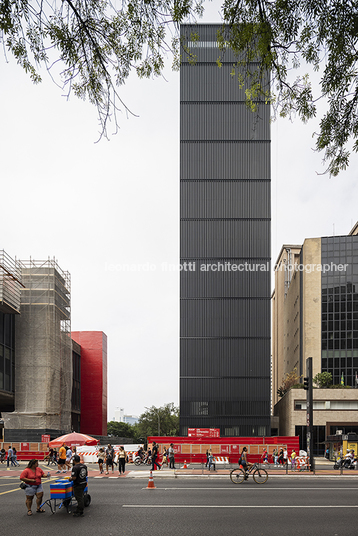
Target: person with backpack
(109, 458)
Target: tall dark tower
(225, 223)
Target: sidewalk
(326, 469)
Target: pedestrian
(109, 458)
(69, 455)
(293, 460)
(264, 457)
(171, 456)
(122, 456)
(155, 455)
(61, 463)
(10, 454)
(275, 456)
(285, 457)
(207, 458)
(79, 479)
(280, 457)
(165, 457)
(49, 456)
(211, 461)
(14, 457)
(2, 455)
(32, 476)
(100, 456)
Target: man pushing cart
(64, 490)
(79, 478)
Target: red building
(93, 381)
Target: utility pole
(307, 385)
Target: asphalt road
(190, 506)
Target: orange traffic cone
(151, 482)
(185, 465)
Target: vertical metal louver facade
(225, 222)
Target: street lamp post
(157, 412)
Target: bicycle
(239, 474)
(146, 460)
(50, 460)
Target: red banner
(45, 438)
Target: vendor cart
(61, 495)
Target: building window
(332, 405)
(7, 353)
(339, 310)
(234, 431)
(199, 408)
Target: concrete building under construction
(43, 379)
(40, 365)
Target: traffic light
(305, 383)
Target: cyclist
(243, 460)
(140, 453)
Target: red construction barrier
(193, 449)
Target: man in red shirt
(32, 476)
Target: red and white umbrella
(74, 439)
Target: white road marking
(258, 488)
(234, 506)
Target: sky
(109, 213)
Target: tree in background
(168, 422)
(119, 429)
(284, 36)
(148, 424)
(290, 379)
(96, 44)
(323, 380)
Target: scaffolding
(43, 380)
(10, 284)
